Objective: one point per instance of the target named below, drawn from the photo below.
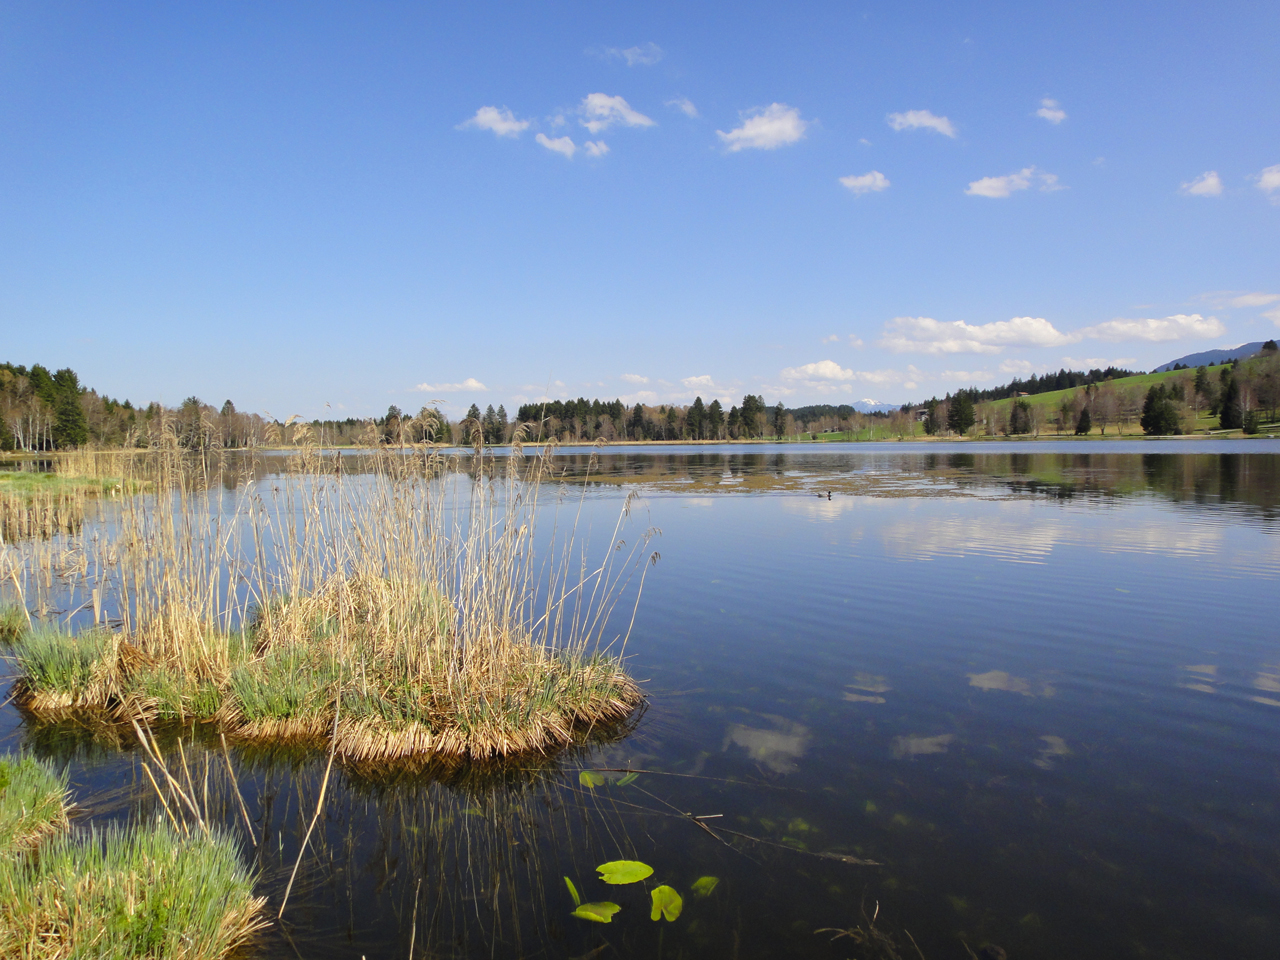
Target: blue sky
(292, 205)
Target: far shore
(18, 455)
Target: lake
(1023, 694)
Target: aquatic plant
(143, 891)
(32, 803)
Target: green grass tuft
(124, 893)
(58, 664)
(13, 622)
(32, 803)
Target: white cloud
(965, 376)
(602, 111)
(827, 376)
(822, 370)
(872, 182)
(684, 105)
(500, 121)
(634, 378)
(1017, 366)
(1254, 300)
(1208, 184)
(1096, 363)
(1178, 327)
(644, 55)
(855, 341)
(765, 128)
(926, 335)
(1051, 111)
(921, 120)
(1269, 182)
(1273, 316)
(596, 148)
(703, 382)
(471, 383)
(561, 145)
(831, 339)
(999, 187)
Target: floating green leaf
(704, 886)
(624, 871)
(590, 779)
(666, 903)
(573, 892)
(629, 778)
(597, 912)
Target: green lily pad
(666, 903)
(573, 892)
(624, 871)
(597, 912)
(705, 886)
(590, 779)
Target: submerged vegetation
(393, 614)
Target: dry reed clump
(377, 613)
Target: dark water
(1040, 688)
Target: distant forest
(42, 410)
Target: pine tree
(715, 419)
(960, 415)
(1159, 415)
(1230, 416)
(1084, 424)
(696, 419)
(70, 426)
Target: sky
(325, 209)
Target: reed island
(391, 606)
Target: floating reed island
(388, 610)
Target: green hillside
(1143, 381)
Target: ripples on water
(1041, 688)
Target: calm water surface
(1038, 687)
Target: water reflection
(1054, 747)
(905, 747)
(776, 747)
(869, 685)
(999, 680)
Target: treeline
(1047, 383)
(42, 411)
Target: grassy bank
(32, 804)
(391, 614)
(128, 892)
(144, 891)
